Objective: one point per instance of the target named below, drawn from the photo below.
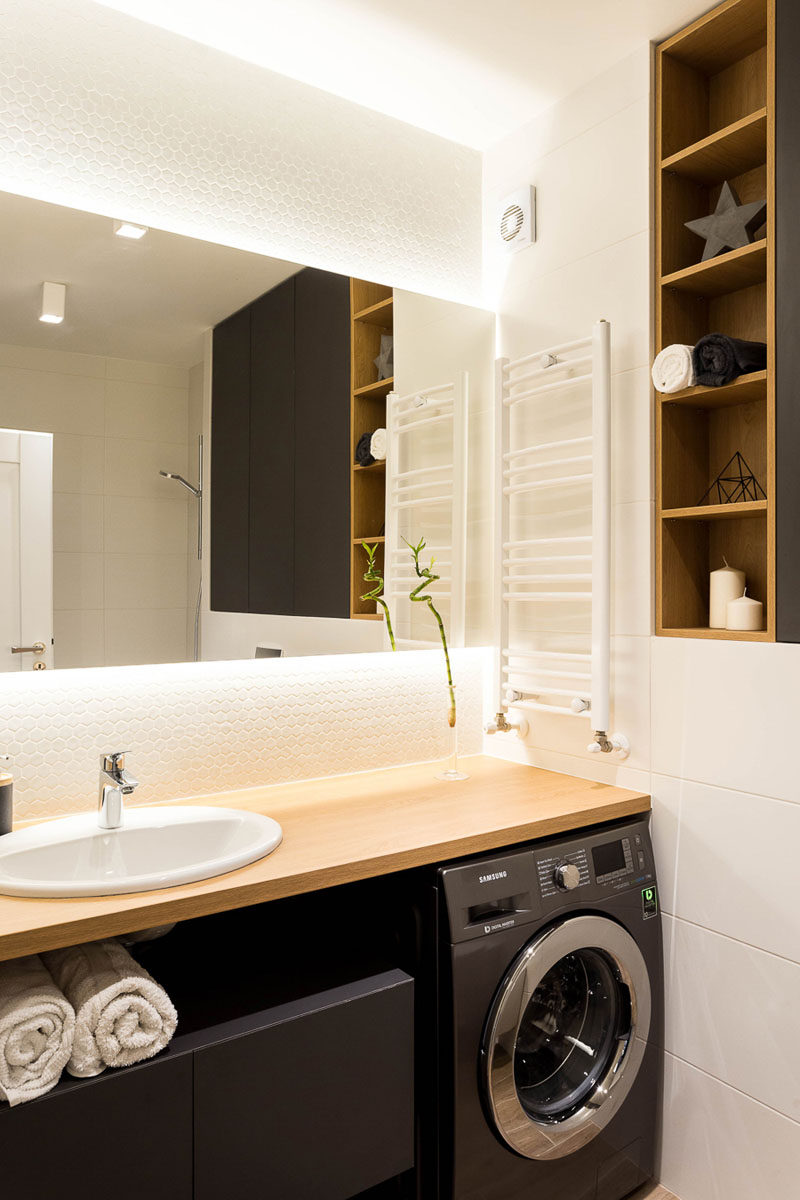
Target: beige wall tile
(78, 464)
(139, 526)
(79, 638)
(132, 407)
(77, 523)
(77, 581)
(137, 635)
(145, 580)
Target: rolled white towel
(673, 369)
(37, 1027)
(377, 446)
(122, 1015)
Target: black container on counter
(6, 802)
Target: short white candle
(745, 613)
(726, 584)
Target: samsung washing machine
(549, 996)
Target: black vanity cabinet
(315, 1103)
(311, 1098)
(126, 1134)
(280, 483)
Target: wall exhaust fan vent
(516, 221)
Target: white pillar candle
(726, 584)
(745, 613)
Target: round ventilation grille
(511, 222)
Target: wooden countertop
(336, 831)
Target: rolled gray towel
(719, 359)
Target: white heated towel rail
(569, 570)
(416, 495)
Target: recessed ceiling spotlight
(127, 229)
(54, 297)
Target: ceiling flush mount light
(127, 229)
(54, 296)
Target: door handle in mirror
(36, 648)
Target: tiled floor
(653, 1191)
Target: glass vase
(451, 773)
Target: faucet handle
(114, 762)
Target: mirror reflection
(197, 443)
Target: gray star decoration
(731, 225)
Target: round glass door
(565, 1036)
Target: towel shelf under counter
(291, 1077)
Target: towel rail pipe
(601, 526)
(553, 369)
(579, 441)
(516, 489)
(532, 393)
(563, 348)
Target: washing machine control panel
(559, 872)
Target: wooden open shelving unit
(371, 315)
(715, 121)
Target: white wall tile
(725, 713)
(632, 588)
(77, 580)
(612, 283)
(128, 370)
(730, 1010)
(737, 864)
(79, 638)
(145, 526)
(589, 193)
(595, 102)
(145, 581)
(46, 402)
(77, 523)
(78, 464)
(132, 468)
(145, 635)
(719, 1144)
(132, 407)
(632, 436)
(62, 362)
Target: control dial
(567, 877)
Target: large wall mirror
(186, 447)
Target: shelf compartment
(379, 314)
(719, 635)
(729, 272)
(364, 609)
(697, 443)
(691, 548)
(712, 74)
(371, 540)
(729, 152)
(743, 389)
(379, 465)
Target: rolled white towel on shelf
(122, 1016)
(673, 369)
(377, 446)
(37, 1027)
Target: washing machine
(549, 999)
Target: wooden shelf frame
(715, 121)
(371, 316)
(737, 148)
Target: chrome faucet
(115, 783)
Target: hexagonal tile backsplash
(193, 729)
(107, 113)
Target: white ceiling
(469, 70)
(149, 300)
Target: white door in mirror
(155, 848)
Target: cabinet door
(125, 1134)
(322, 445)
(316, 1106)
(230, 465)
(272, 433)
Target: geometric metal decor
(735, 483)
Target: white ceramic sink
(154, 848)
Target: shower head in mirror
(196, 492)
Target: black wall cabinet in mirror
(280, 500)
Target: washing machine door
(565, 1037)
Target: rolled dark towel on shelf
(363, 456)
(718, 359)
